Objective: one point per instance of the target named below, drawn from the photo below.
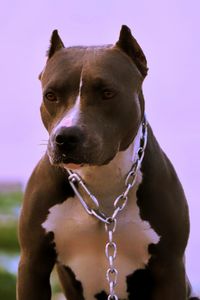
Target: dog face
(92, 99)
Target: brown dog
(93, 109)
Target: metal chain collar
(120, 202)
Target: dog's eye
(50, 96)
(108, 94)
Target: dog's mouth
(65, 160)
(71, 163)
(62, 159)
(72, 166)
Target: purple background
(168, 31)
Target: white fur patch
(72, 116)
(80, 238)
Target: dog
(103, 182)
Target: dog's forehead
(89, 61)
(110, 62)
(63, 62)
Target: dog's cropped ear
(55, 44)
(130, 46)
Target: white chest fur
(80, 242)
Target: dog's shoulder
(47, 186)
(47, 182)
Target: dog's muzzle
(65, 144)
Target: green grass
(9, 209)
(9, 201)
(55, 284)
(7, 285)
(8, 237)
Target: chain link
(119, 204)
(111, 253)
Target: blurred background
(168, 32)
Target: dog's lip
(71, 160)
(73, 166)
(71, 163)
(74, 162)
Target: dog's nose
(68, 138)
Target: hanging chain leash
(119, 204)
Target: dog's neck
(108, 181)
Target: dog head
(92, 99)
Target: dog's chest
(80, 243)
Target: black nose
(68, 138)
